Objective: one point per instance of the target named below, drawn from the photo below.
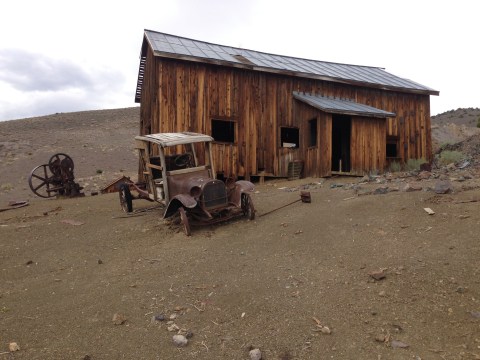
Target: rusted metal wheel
(59, 161)
(247, 207)
(126, 200)
(185, 222)
(40, 182)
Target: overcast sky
(64, 56)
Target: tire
(125, 198)
(185, 222)
(247, 207)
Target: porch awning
(341, 106)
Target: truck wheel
(125, 198)
(247, 207)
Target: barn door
(341, 137)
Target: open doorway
(341, 132)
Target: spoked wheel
(184, 219)
(41, 182)
(59, 161)
(125, 198)
(247, 207)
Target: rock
(451, 166)
(380, 338)
(180, 340)
(173, 317)
(173, 327)
(255, 354)
(119, 319)
(13, 346)
(475, 314)
(326, 330)
(424, 175)
(426, 167)
(99, 261)
(381, 190)
(411, 187)
(443, 187)
(378, 275)
(366, 178)
(189, 334)
(160, 317)
(398, 344)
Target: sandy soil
(69, 265)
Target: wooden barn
(270, 114)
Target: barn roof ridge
(267, 53)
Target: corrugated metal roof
(341, 106)
(171, 139)
(172, 46)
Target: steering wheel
(183, 160)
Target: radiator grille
(214, 194)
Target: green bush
(414, 164)
(478, 122)
(395, 166)
(444, 145)
(447, 157)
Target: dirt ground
(69, 266)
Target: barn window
(312, 127)
(289, 137)
(392, 148)
(223, 130)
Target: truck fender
(241, 187)
(178, 201)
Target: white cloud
(95, 45)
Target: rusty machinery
(55, 178)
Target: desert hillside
(101, 144)
(455, 125)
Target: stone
(255, 354)
(378, 275)
(424, 175)
(380, 190)
(409, 187)
(366, 178)
(426, 167)
(160, 317)
(180, 340)
(398, 344)
(443, 187)
(119, 319)
(326, 330)
(13, 346)
(173, 328)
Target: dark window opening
(223, 131)
(392, 149)
(312, 126)
(289, 137)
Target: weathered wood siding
(185, 96)
(367, 145)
